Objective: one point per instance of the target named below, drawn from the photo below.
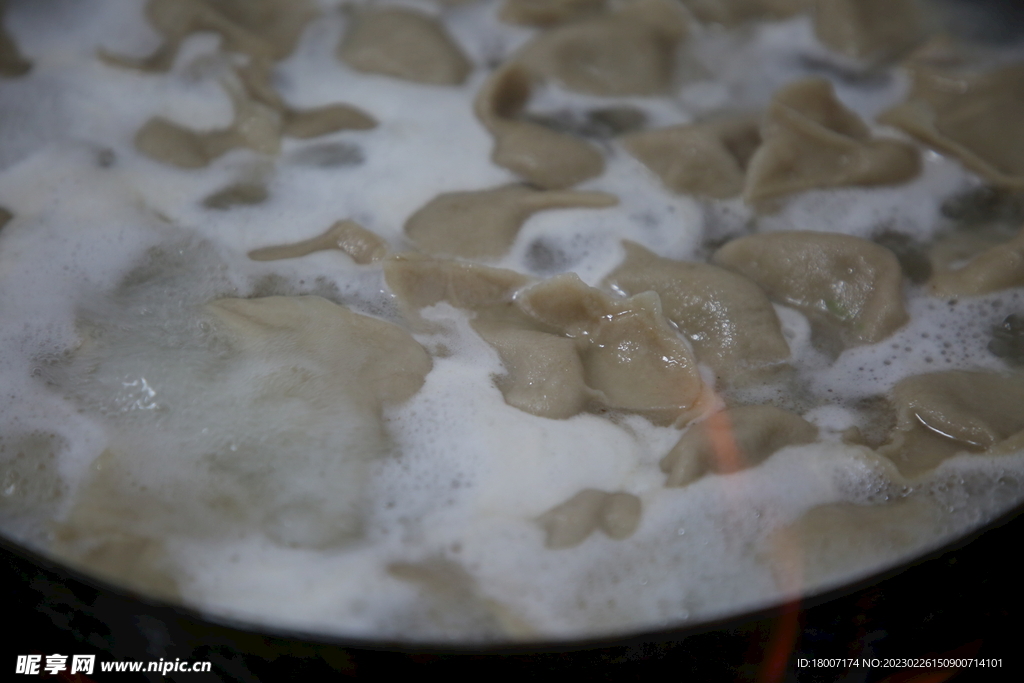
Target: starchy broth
(504, 320)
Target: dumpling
(873, 30)
(538, 154)
(727, 318)
(376, 362)
(708, 158)
(812, 141)
(483, 224)
(734, 440)
(569, 524)
(845, 282)
(405, 44)
(359, 243)
(941, 414)
(991, 265)
(543, 372)
(629, 52)
(255, 126)
(970, 113)
(732, 12)
(262, 29)
(547, 12)
(255, 78)
(630, 353)
(419, 282)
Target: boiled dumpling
(483, 224)
(839, 280)
(727, 318)
(812, 141)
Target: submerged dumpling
(540, 155)
(405, 44)
(708, 158)
(483, 224)
(812, 141)
(630, 52)
(872, 30)
(972, 114)
(727, 318)
(842, 281)
(733, 440)
(376, 361)
(941, 414)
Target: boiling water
(124, 416)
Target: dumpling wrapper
(941, 414)
(812, 141)
(483, 224)
(845, 282)
(403, 43)
(727, 318)
(734, 440)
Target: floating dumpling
(707, 158)
(872, 30)
(483, 224)
(569, 524)
(540, 155)
(543, 372)
(419, 282)
(630, 353)
(262, 29)
(812, 141)
(255, 126)
(732, 12)
(547, 12)
(630, 52)
(727, 318)
(349, 237)
(971, 114)
(405, 44)
(971, 265)
(255, 78)
(842, 281)
(734, 440)
(941, 414)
